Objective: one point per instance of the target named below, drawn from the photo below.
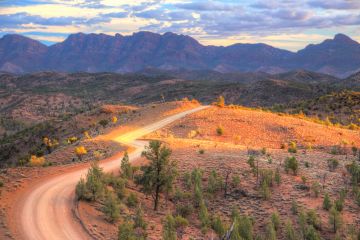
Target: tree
(126, 170)
(291, 164)
(94, 184)
(327, 202)
(111, 208)
(169, 228)
(80, 151)
(80, 190)
(126, 231)
(335, 219)
(139, 218)
(204, 216)
(159, 173)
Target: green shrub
(275, 220)
(111, 208)
(204, 216)
(126, 170)
(169, 228)
(184, 210)
(218, 226)
(315, 187)
(132, 200)
(313, 219)
(291, 164)
(327, 202)
(294, 207)
(290, 232)
(139, 221)
(235, 180)
(215, 182)
(277, 177)
(332, 164)
(126, 231)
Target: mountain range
(339, 56)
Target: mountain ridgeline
(104, 53)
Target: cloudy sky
(289, 24)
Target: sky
(287, 24)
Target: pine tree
(126, 170)
(111, 208)
(204, 216)
(126, 231)
(160, 173)
(327, 202)
(139, 221)
(94, 181)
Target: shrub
(139, 221)
(201, 151)
(275, 220)
(290, 231)
(104, 122)
(187, 180)
(292, 147)
(311, 233)
(335, 219)
(235, 180)
(80, 190)
(313, 219)
(303, 179)
(270, 232)
(169, 228)
(219, 130)
(126, 231)
(36, 161)
(315, 187)
(291, 164)
(184, 210)
(80, 151)
(277, 177)
(339, 205)
(265, 191)
(294, 207)
(332, 164)
(215, 182)
(220, 101)
(119, 185)
(1, 183)
(126, 170)
(111, 208)
(204, 216)
(132, 200)
(327, 202)
(218, 226)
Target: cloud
(207, 6)
(335, 4)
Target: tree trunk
(156, 198)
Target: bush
(119, 185)
(1, 183)
(235, 180)
(294, 207)
(204, 216)
(327, 202)
(277, 177)
(126, 231)
(201, 151)
(313, 219)
(219, 130)
(291, 164)
(104, 122)
(290, 231)
(332, 164)
(111, 208)
(218, 226)
(169, 228)
(315, 187)
(184, 210)
(132, 200)
(339, 205)
(215, 182)
(187, 180)
(275, 220)
(36, 161)
(292, 147)
(80, 151)
(80, 190)
(307, 164)
(139, 219)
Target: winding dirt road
(46, 211)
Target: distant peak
(342, 38)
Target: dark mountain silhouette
(100, 52)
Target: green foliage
(235, 180)
(119, 185)
(294, 207)
(277, 177)
(243, 226)
(132, 200)
(204, 216)
(169, 228)
(315, 187)
(354, 170)
(184, 210)
(251, 162)
(111, 208)
(218, 226)
(332, 164)
(313, 219)
(275, 220)
(339, 204)
(126, 231)
(139, 221)
(264, 191)
(327, 202)
(158, 176)
(303, 179)
(215, 182)
(335, 219)
(290, 232)
(311, 234)
(92, 188)
(187, 180)
(270, 232)
(291, 164)
(126, 170)
(104, 122)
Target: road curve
(46, 211)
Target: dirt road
(46, 212)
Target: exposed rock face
(99, 52)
